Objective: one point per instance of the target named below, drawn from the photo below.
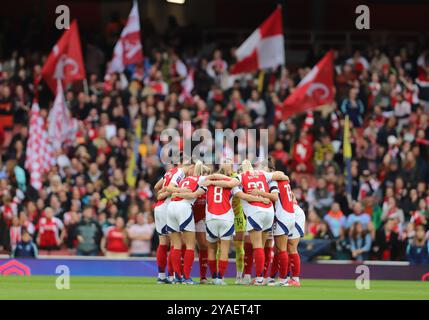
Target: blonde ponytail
(247, 166)
(198, 168)
(226, 167)
(206, 170)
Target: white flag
(264, 48)
(60, 123)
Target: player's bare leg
(295, 261)
(202, 255)
(162, 258)
(189, 241)
(257, 238)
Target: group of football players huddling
(253, 207)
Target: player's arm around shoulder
(251, 198)
(174, 189)
(272, 195)
(279, 176)
(162, 195)
(189, 195)
(224, 182)
(158, 185)
(216, 176)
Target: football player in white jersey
(171, 178)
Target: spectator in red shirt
(50, 231)
(115, 242)
(279, 154)
(302, 154)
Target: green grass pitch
(43, 287)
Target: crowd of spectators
(87, 206)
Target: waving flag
(187, 87)
(264, 48)
(128, 49)
(132, 170)
(314, 90)
(61, 126)
(39, 155)
(65, 61)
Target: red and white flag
(187, 87)
(128, 49)
(264, 49)
(65, 60)
(314, 90)
(61, 126)
(40, 155)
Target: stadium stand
(384, 92)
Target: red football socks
(177, 262)
(213, 268)
(187, 264)
(275, 265)
(182, 256)
(202, 258)
(295, 264)
(248, 258)
(223, 264)
(170, 262)
(259, 257)
(268, 259)
(161, 257)
(283, 264)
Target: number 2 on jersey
(256, 185)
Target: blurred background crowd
(87, 207)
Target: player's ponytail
(198, 168)
(247, 166)
(226, 167)
(187, 168)
(206, 170)
(222, 170)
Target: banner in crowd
(39, 152)
(187, 87)
(132, 169)
(128, 49)
(314, 90)
(264, 48)
(65, 61)
(61, 126)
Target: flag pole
(347, 155)
(261, 78)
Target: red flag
(264, 48)
(65, 60)
(128, 49)
(314, 90)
